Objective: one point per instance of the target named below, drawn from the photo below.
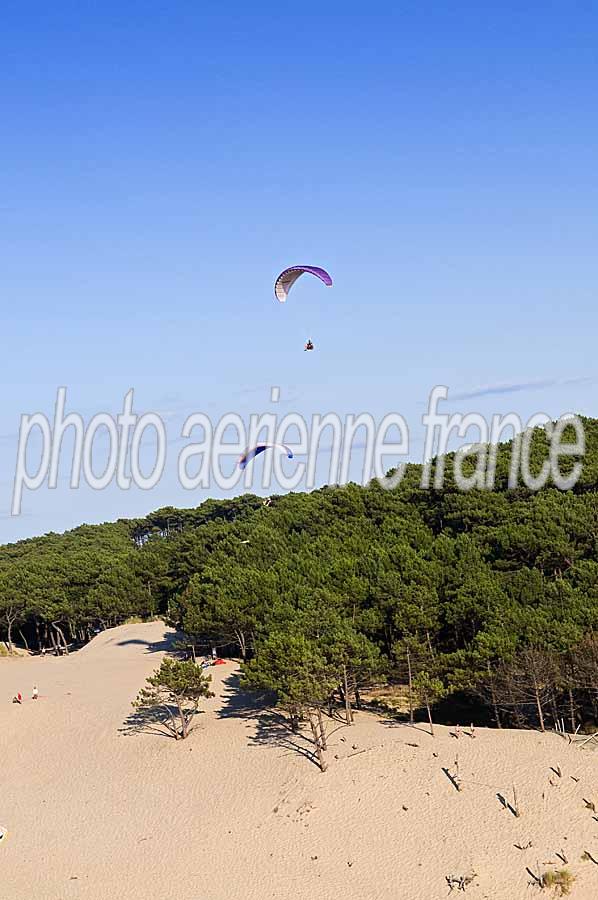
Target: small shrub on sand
(559, 881)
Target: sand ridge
(95, 810)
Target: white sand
(231, 813)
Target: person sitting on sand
(18, 698)
(35, 693)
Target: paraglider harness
(309, 345)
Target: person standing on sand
(35, 693)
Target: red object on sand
(219, 662)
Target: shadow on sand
(267, 725)
(390, 722)
(148, 721)
(166, 645)
(156, 721)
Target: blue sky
(160, 163)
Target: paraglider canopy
(287, 279)
(252, 452)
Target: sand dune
(95, 810)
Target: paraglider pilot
(309, 345)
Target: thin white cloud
(518, 387)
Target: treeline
(57, 590)
(485, 597)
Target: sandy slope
(236, 812)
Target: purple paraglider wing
(252, 452)
(287, 279)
